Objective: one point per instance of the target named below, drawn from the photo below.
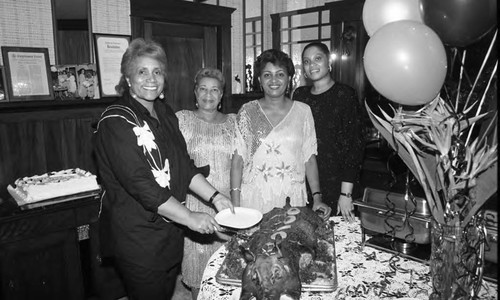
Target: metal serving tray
(386, 212)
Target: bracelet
(213, 197)
(236, 189)
(317, 193)
(348, 195)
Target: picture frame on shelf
(27, 73)
(64, 82)
(3, 93)
(109, 52)
(87, 82)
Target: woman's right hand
(203, 223)
(346, 208)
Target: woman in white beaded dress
(276, 145)
(209, 136)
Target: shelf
(25, 106)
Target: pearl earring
(162, 95)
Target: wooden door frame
(350, 11)
(184, 12)
(344, 11)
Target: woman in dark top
(146, 171)
(339, 129)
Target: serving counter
(363, 272)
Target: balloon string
(481, 69)
(493, 73)
(454, 52)
(460, 78)
(390, 230)
(409, 197)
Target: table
(363, 273)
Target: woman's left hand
(323, 208)
(222, 202)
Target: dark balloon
(460, 23)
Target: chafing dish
(491, 249)
(386, 213)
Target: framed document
(109, 52)
(27, 73)
(3, 95)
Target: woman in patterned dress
(276, 144)
(209, 136)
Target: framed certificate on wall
(27, 73)
(109, 52)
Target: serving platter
(222, 279)
(322, 283)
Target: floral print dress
(274, 157)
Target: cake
(52, 185)
(291, 250)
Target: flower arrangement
(454, 161)
(455, 165)
(457, 176)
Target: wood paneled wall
(36, 141)
(73, 47)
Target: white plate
(242, 218)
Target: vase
(457, 259)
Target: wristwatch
(348, 195)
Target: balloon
(406, 62)
(460, 23)
(377, 13)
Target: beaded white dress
(274, 157)
(207, 144)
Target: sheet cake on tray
(55, 187)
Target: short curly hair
(139, 47)
(210, 73)
(277, 58)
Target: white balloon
(405, 61)
(377, 13)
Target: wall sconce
(346, 44)
(346, 41)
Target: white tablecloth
(363, 273)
